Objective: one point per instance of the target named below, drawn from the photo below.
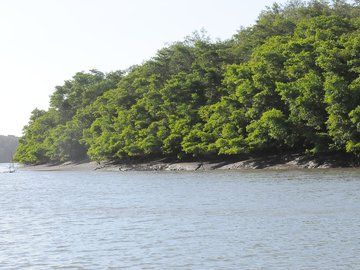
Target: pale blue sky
(44, 42)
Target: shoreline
(273, 162)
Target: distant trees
(8, 145)
(290, 82)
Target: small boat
(11, 168)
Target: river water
(180, 220)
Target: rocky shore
(276, 162)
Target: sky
(45, 42)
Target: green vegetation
(8, 145)
(288, 83)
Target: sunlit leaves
(290, 82)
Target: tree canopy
(290, 82)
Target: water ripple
(170, 220)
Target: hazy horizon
(45, 42)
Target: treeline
(8, 145)
(288, 83)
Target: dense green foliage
(289, 83)
(8, 145)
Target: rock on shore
(290, 161)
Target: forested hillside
(290, 82)
(8, 145)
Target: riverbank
(277, 162)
